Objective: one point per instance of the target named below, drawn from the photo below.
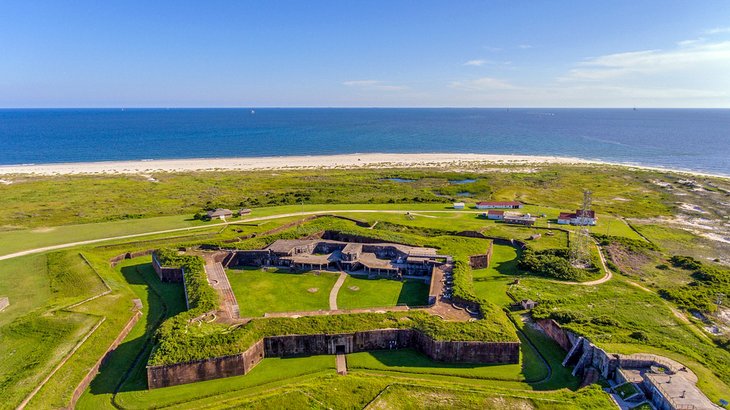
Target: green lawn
(493, 282)
(411, 361)
(420, 397)
(258, 291)
(13, 241)
(272, 372)
(626, 390)
(361, 292)
(25, 281)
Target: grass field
(258, 291)
(361, 292)
(61, 200)
(493, 282)
(36, 330)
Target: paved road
(336, 289)
(192, 228)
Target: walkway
(219, 281)
(341, 364)
(336, 289)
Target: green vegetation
(260, 291)
(201, 297)
(700, 294)
(553, 263)
(492, 283)
(361, 292)
(50, 201)
(626, 390)
(181, 343)
(411, 361)
(39, 328)
(409, 397)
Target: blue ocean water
(675, 138)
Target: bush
(640, 336)
(553, 263)
(662, 266)
(685, 262)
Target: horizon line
(244, 107)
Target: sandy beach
(283, 162)
(370, 160)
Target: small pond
(461, 181)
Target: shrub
(552, 263)
(640, 336)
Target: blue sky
(364, 53)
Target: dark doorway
(340, 349)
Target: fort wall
(166, 274)
(319, 344)
(206, 369)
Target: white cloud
(685, 43)
(691, 74)
(718, 30)
(492, 49)
(686, 59)
(524, 46)
(374, 85)
(483, 84)
(476, 63)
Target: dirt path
(223, 224)
(336, 289)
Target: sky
(341, 53)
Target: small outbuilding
(219, 213)
(459, 205)
(495, 215)
(528, 304)
(243, 212)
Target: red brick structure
(166, 274)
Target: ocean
(687, 139)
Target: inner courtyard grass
(260, 291)
(361, 292)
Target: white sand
(284, 162)
(383, 160)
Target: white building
(495, 215)
(578, 218)
(499, 205)
(459, 205)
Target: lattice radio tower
(580, 246)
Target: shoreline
(343, 161)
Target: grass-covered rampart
(193, 342)
(180, 341)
